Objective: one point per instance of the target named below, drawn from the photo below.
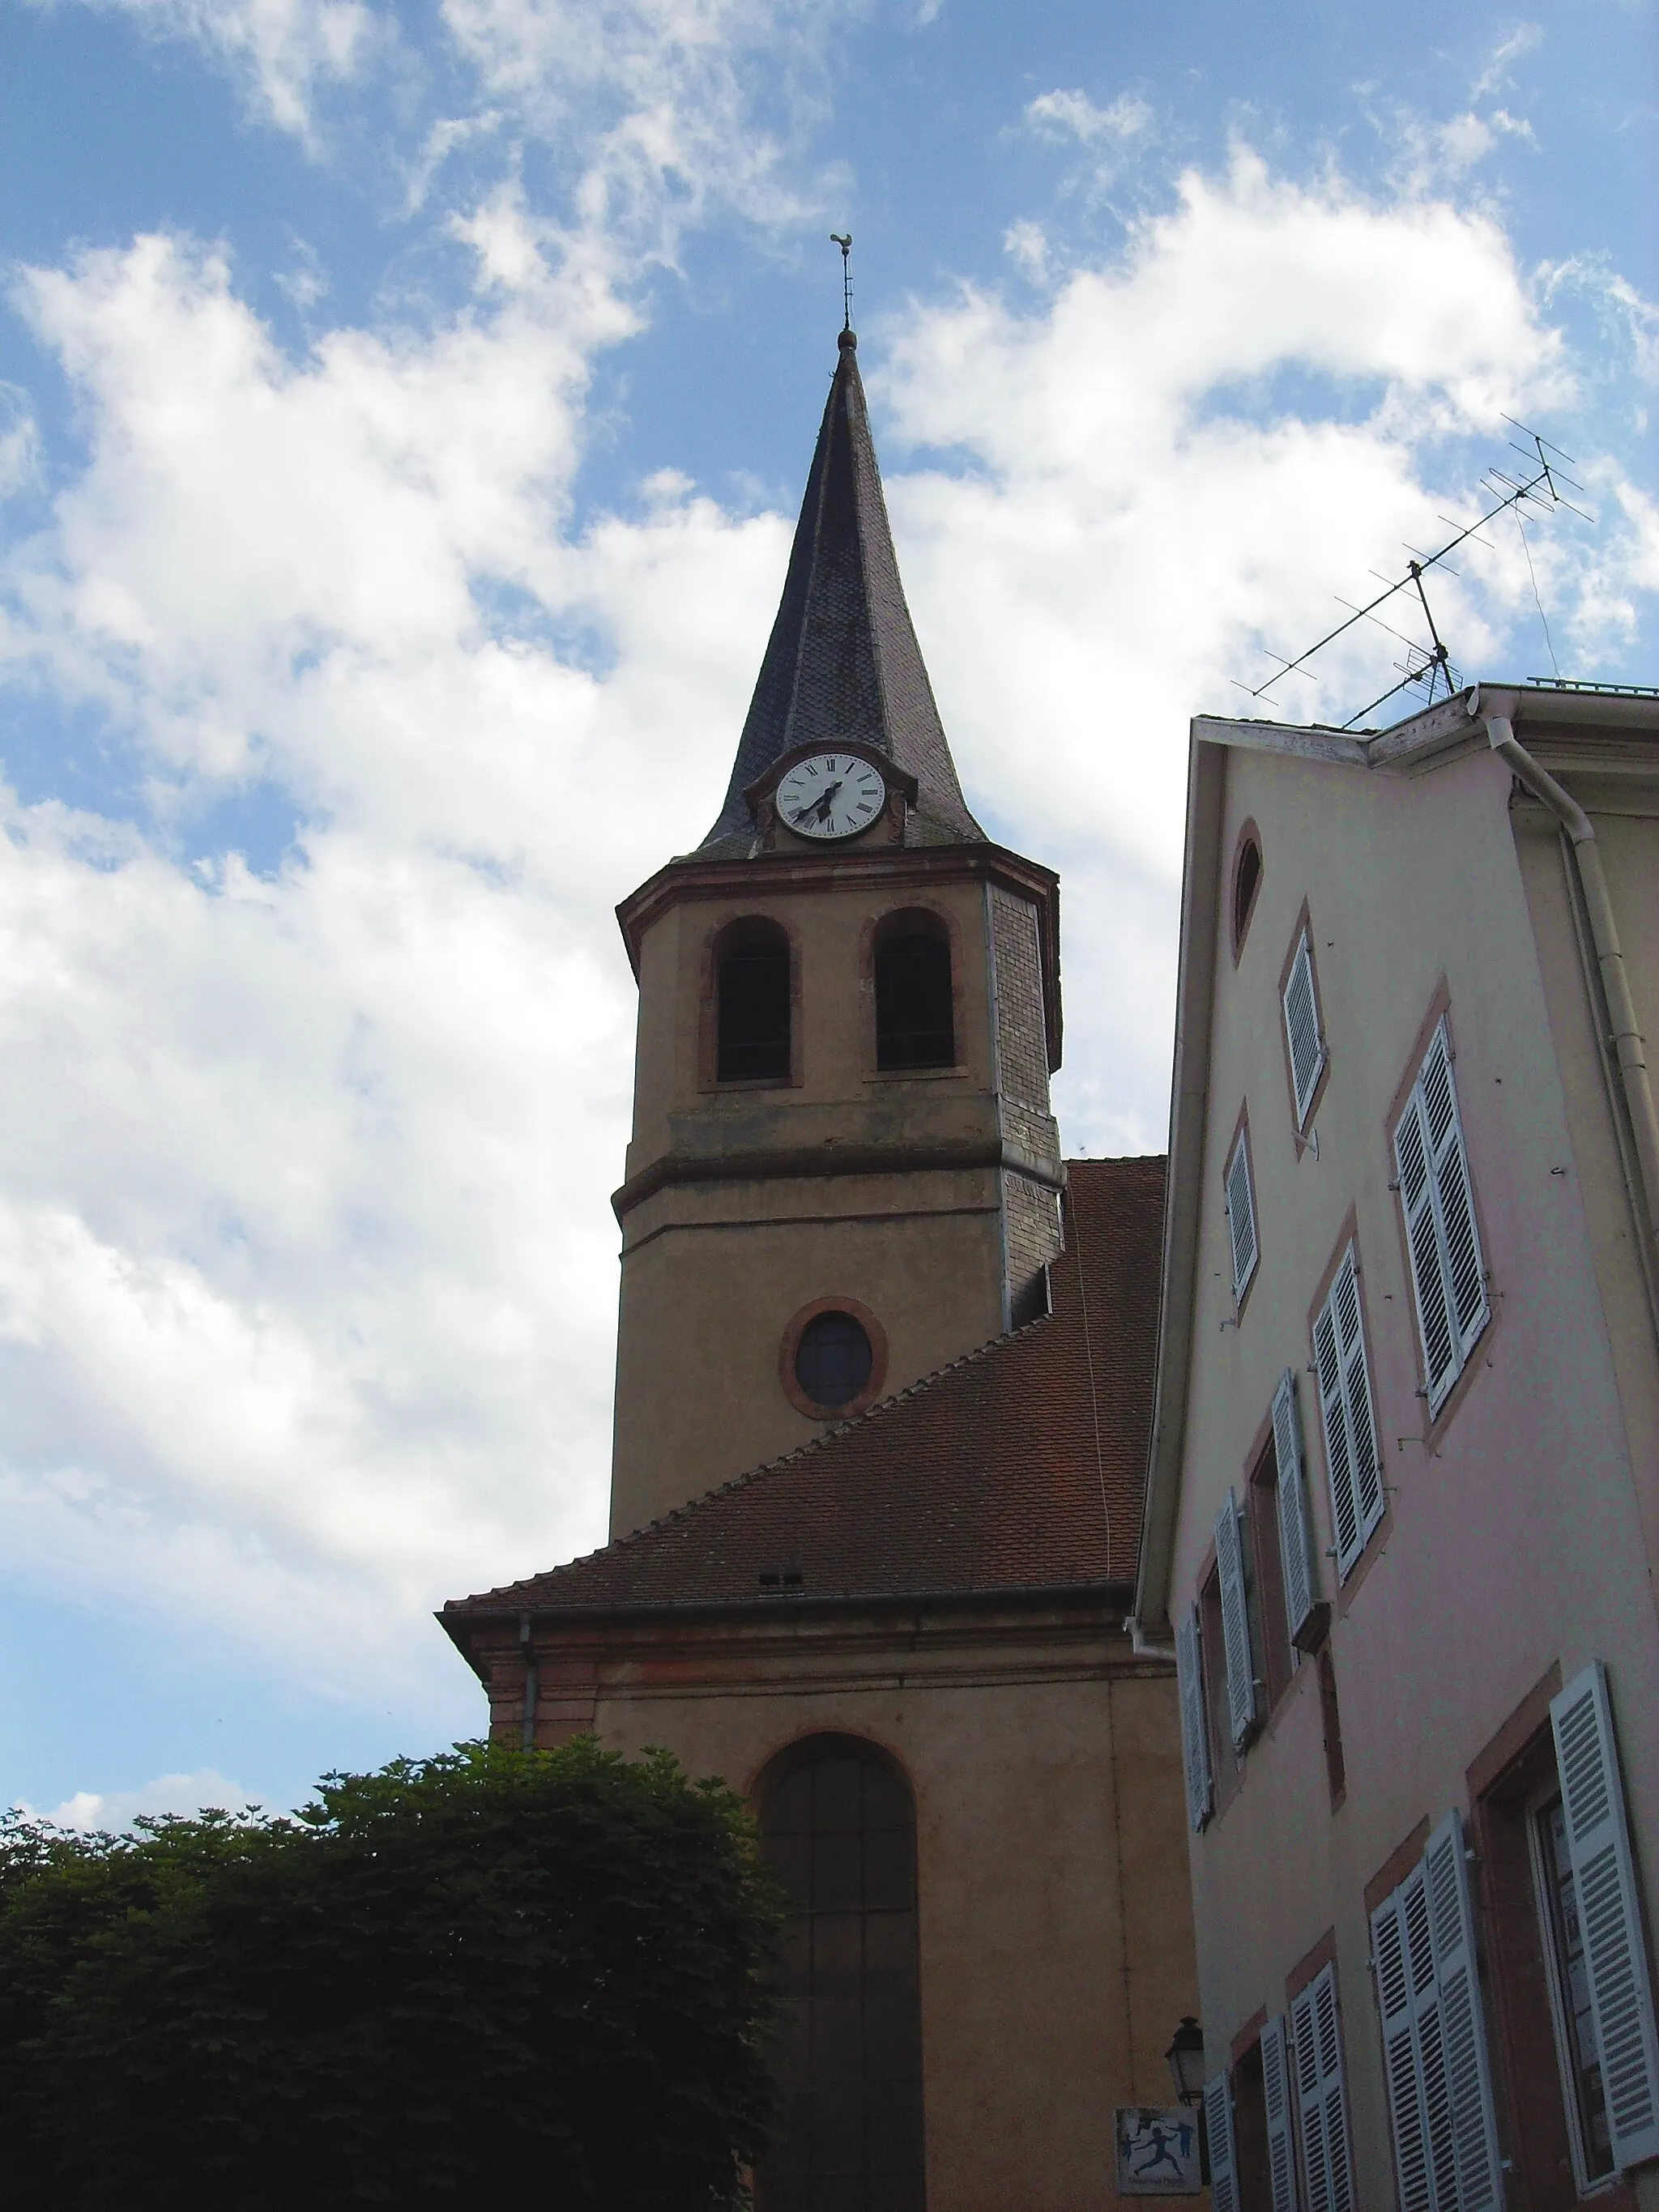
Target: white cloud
(306, 1270)
(1073, 114)
(115, 1809)
(308, 1281)
(1183, 457)
(19, 441)
(1496, 75)
(282, 53)
(655, 112)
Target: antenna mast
(1539, 486)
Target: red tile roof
(1018, 1467)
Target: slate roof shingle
(843, 664)
(1020, 1466)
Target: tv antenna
(844, 240)
(1536, 490)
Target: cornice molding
(801, 1161)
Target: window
(1247, 2112)
(1219, 2141)
(1218, 1703)
(1302, 1034)
(1275, 2048)
(1611, 1955)
(1267, 1578)
(1448, 1274)
(752, 989)
(838, 1826)
(915, 1023)
(1556, 1891)
(1195, 1725)
(1237, 1641)
(833, 1360)
(1247, 881)
(1322, 2097)
(1345, 1398)
(1568, 1977)
(1434, 2039)
(1241, 1214)
(1304, 1616)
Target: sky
(403, 414)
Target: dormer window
(752, 985)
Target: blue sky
(401, 413)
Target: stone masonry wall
(1032, 1229)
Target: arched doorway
(838, 1824)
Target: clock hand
(819, 808)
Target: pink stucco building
(1403, 1520)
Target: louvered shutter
(1609, 1913)
(1302, 1031)
(1218, 2132)
(1321, 2096)
(1447, 1272)
(1195, 1733)
(1457, 1975)
(1234, 1623)
(1392, 1959)
(1296, 1554)
(1434, 2044)
(1276, 2096)
(1345, 1398)
(1241, 1214)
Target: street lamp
(1186, 2058)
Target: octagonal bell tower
(843, 1172)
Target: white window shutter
(1234, 1623)
(1609, 1913)
(1321, 2096)
(1195, 1733)
(1466, 1274)
(1296, 1552)
(1391, 1959)
(1457, 1976)
(1241, 1214)
(1302, 1031)
(1219, 2133)
(1345, 1398)
(1276, 2096)
(1434, 2043)
(1449, 1273)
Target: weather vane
(844, 240)
(1537, 491)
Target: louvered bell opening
(753, 1005)
(915, 1023)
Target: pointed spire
(843, 665)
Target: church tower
(843, 1172)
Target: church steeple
(844, 1170)
(843, 665)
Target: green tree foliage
(491, 1970)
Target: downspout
(531, 1686)
(1146, 1647)
(1630, 1052)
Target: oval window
(833, 1360)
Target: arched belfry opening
(752, 998)
(837, 1824)
(916, 1008)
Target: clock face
(830, 795)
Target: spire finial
(844, 240)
